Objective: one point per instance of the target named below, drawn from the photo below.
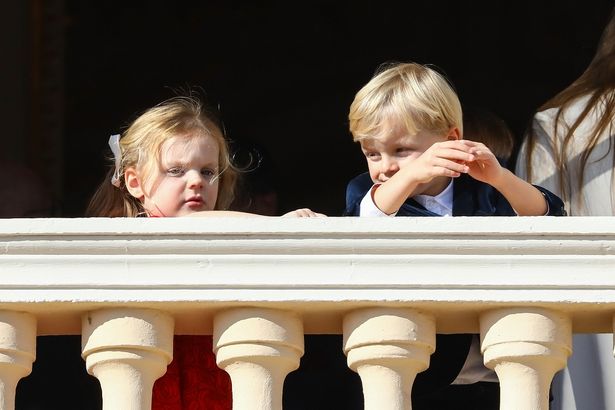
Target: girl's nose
(195, 179)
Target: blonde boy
(408, 122)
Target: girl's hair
(597, 82)
(141, 146)
(412, 95)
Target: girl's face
(186, 180)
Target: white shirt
(441, 204)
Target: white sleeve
(368, 207)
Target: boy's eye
(374, 156)
(403, 151)
(176, 172)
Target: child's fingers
(470, 143)
(308, 213)
(455, 144)
(455, 154)
(444, 167)
(303, 213)
(477, 148)
(447, 172)
(449, 162)
(459, 167)
(483, 154)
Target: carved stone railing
(259, 284)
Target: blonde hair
(141, 146)
(412, 95)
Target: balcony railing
(259, 284)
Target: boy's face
(393, 150)
(186, 179)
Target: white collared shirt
(441, 204)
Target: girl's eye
(176, 172)
(374, 156)
(208, 173)
(403, 151)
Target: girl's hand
(485, 167)
(303, 213)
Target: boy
(408, 121)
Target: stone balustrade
(259, 284)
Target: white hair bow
(114, 144)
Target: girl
(173, 161)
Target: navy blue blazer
(470, 198)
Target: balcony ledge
(455, 268)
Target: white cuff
(369, 208)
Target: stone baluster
(613, 335)
(525, 347)
(17, 352)
(127, 350)
(258, 348)
(388, 347)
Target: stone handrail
(258, 284)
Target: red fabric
(193, 381)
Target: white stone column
(614, 335)
(525, 347)
(127, 350)
(388, 347)
(258, 348)
(17, 352)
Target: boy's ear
(453, 134)
(133, 183)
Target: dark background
(285, 73)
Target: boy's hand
(485, 167)
(443, 159)
(524, 198)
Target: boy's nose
(388, 166)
